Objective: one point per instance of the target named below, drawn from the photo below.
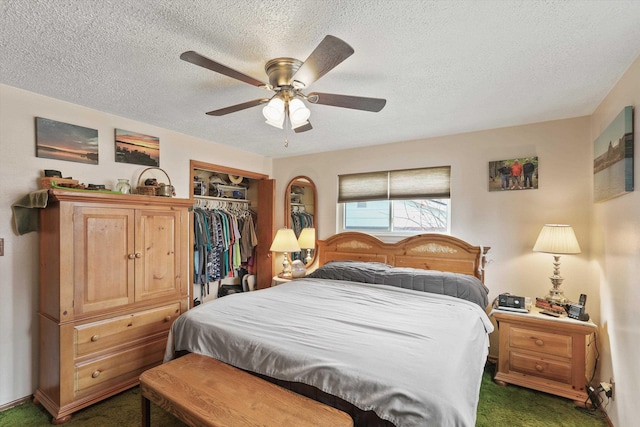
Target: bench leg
(146, 412)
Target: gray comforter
(457, 285)
(414, 358)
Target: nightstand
(275, 280)
(543, 353)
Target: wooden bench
(202, 391)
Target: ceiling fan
(287, 78)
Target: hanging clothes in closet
(224, 242)
(300, 219)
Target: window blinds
(407, 184)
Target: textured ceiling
(444, 67)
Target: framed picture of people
(513, 174)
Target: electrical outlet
(613, 389)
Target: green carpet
(499, 406)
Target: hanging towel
(25, 215)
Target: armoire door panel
(104, 268)
(158, 262)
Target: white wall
(19, 173)
(615, 242)
(507, 221)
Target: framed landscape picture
(137, 148)
(513, 174)
(613, 158)
(63, 141)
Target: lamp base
(556, 296)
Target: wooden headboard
(425, 251)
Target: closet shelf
(221, 199)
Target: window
(409, 201)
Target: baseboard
(16, 403)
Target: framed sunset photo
(137, 148)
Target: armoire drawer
(540, 366)
(98, 336)
(543, 342)
(118, 367)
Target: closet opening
(232, 218)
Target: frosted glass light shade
(298, 113)
(278, 124)
(274, 110)
(557, 239)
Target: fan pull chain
(287, 125)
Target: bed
(393, 334)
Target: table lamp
(285, 242)
(307, 240)
(557, 239)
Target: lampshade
(274, 110)
(307, 238)
(298, 113)
(277, 109)
(285, 241)
(557, 239)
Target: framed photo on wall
(513, 174)
(613, 158)
(63, 141)
(137, 148)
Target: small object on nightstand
(512, 303)
(298, 269)
(551, 313)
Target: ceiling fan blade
(203, 61)
(303, 128)
(238, 107)
(346, 101)
(327, 55)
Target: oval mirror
(300, 202)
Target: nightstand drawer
(543, 342)
(555, 370)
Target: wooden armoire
(113, 277)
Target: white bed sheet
(414, 358)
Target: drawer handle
(539, 343)
(95, 374)
(138, 255)
(131, 256)
(539, 368)
(95, 338)
(167, 319)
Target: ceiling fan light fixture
(274, 110)
(298, 112)
(276, 123)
